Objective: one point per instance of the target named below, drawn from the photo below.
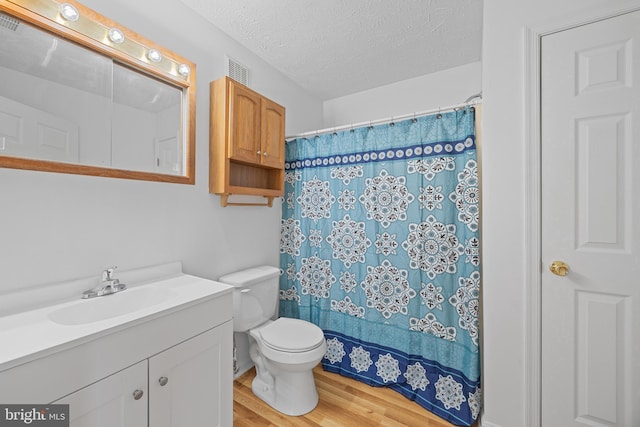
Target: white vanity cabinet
(188, 385)
(166, 365)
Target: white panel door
(28, 132)
(591, 221)
(120, 400)
(168, 155)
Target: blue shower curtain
(380, 248)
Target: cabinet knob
(163, 381)
(258, 152)
(137, 395)
(264, 154)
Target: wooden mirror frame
(91, 30)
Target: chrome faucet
(108, 285)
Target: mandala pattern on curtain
(379, 247)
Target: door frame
(533, 197)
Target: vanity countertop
(33, 334)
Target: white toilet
(284, 351)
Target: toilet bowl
(285, 379)
(284, 350)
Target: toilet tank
(255, 295)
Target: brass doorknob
(559, 268)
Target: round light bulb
(154, 55)
(184, 70)
(116, 35)
(69, 12)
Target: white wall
(505, 204)
(431, 91)
(57, 226)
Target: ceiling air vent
(237, 71)
(9, 22)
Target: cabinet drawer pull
(163, 381)
(137, 395)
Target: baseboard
(242, 369)
(484, 423)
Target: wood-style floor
(344, 402)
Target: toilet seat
(291, 335)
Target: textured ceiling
(334, 48)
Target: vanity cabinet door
(119, 400)
(190, 384)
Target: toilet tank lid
(250, 276)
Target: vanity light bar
(75, 16)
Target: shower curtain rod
(390, 119)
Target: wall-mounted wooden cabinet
(246, 143)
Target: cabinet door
(272, 134)
(244, 124)
(191, 384)
(111, 402)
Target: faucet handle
(108, 273)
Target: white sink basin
(153, 292)
(106, 307)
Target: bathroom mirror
(82, 94)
